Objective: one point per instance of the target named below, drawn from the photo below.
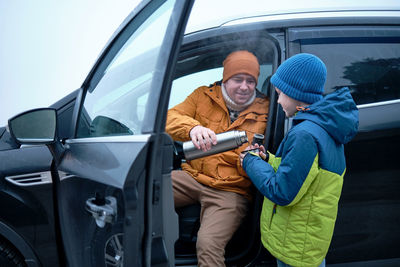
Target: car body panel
(372, 174)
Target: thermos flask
(225, 141)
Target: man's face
(288, 104)
(240, 88)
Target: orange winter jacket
(206, 107)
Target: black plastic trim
(345, 34)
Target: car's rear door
(366, 59)
(113, 185)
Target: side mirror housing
(37, 126)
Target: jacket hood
(337, 113)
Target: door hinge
(103, 210)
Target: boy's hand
(256, 149)
(263, 153)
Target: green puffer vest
(299, 234)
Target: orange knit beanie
(240, 62)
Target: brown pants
(221, 214)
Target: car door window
(370, 70)
(117, 104)
(184, 86)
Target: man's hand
(203, 138)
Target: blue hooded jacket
(302, 183)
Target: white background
(48, 47)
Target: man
(218, 182)
(302, 183)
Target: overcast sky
(48, 47)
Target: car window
(184, 86)
(370, 70)
(116, 105)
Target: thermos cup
(225, 141)
(258, 139)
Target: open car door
(112, 179)
(115, 193)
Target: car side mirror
(37, 126)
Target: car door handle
(102, 213)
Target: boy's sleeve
(291, 180)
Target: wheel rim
(114, 251)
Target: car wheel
(107, 247)
(9, 256)
(114, 251)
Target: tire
(9, 256)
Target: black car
(89, 182)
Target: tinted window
(370, 70)
(116, 106)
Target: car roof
(207, 14)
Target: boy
(302, 183)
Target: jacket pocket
(267, 213)
(254, 125)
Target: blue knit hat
(301, 77)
